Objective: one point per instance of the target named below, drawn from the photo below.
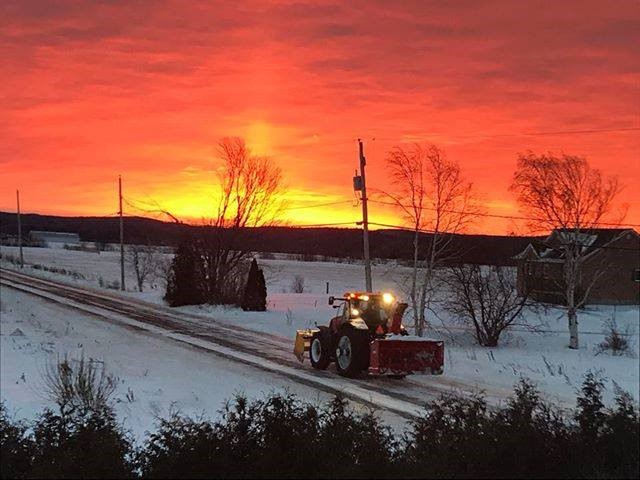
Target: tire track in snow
(229, 342)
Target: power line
(422, 230)
(494, 215)
(481, 136)
(316, 205)
(354, 222)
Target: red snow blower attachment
(368, 335)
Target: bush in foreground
(282, 437)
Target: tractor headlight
(355, 312)
(387, 298)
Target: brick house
(613, 255)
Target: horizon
(147, 91)
(355, 228)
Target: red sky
(146, 89)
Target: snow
(157, 375)
(536, 348)
(412, 338)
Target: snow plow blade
(401, 356)
(303, 342)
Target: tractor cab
(373, 310)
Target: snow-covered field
(156, 375)
(535, 349)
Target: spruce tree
(183, 286)
(255, 292)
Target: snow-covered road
(259, 350)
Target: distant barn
(50, 239)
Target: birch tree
(564, 192)
(433, 195)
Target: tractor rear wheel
(352, 352)
(320, 351)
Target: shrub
(181, 448)
(88, 445)
(297, 284)
(16, 447)
(526, 434)
(486, 298)
(272, 438)
(366, 448)
(81, 385)
(614, 341)
(449, 437)
(620, 438)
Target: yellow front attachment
(303, 342)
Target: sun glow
(260, 136)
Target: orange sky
(93, 89)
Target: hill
(333, 242)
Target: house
(49, 239)
(610, 263)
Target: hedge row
(281, 436)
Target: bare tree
(145, 261)
(250, 196)
(431, 192)
(564, 192)
(486, 297)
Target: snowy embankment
(536, 348)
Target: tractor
(367, 335)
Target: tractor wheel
(352, 352)
(320, 351)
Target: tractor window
(373, 312)
(344, 311)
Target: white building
(50, 239)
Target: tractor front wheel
(319, 351)
(352, 352)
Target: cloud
(91, 86)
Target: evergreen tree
(183, 285)
(255, 292)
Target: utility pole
(19, 229)
(121, 234)
(362, 183)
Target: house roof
(591, 240)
